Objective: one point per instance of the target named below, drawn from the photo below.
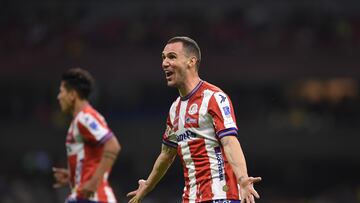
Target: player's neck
(79, 105)
(188, 86)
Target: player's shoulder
(88, 113)
(213, 88)
(217, 94)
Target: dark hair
(190, 46)
(79, 80)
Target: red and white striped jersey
(84, 144)
(195, 125)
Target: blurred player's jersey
(195, 125)
(84, 144)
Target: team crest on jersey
(193, 109)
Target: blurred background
(292, 69)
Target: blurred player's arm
(62, 177)
(236, 158)
(110, 152)
(162, 164)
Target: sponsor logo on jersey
(223, 98)
(193, 109)
(93, 125)
(220, 161)
(185, 136)
(226, 110)
(190, 120)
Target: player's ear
(192, 61)
(73, 94)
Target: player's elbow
(113, 145)
(117, 146)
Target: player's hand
(62, 177)
(89, 188)
(247, 191)
(139, 194)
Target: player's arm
(236, 158)
(110, 152)
(162, 164)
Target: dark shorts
(222, 201)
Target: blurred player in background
(91, 146)
(200, 128)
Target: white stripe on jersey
(173, 110)
(79, 165)
(217, 184)
(95, 197)
(109, 194)
(185, 151)
(204, 107)
(225, 108)
(74, 148)
(72, 197)
(182, 114)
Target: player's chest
(73, 134)
(190, 114)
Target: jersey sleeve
(93, 130)
(222, 113)
(169, 137)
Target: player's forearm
(235, 156)
(162, 164)
(109, 155)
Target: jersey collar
(192, 91)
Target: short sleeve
(93, 129)
(222, 111)
(169, 137)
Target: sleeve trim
(169, 143)
(107, 137)
(227, 132)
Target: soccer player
(91, 146)
(200, 128)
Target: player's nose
(165, 64)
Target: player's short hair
(190, 47)
(79, 80)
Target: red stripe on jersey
(215, 112)
(231, 182)
(192, 112)
(169, 127)
(86, 133)
(176, 119)
(101, 192)
(202, 173)
(91, 160)
(186, 177)
(96, 115)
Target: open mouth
(168, 74)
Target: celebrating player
(91, 146)
(200, 128)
